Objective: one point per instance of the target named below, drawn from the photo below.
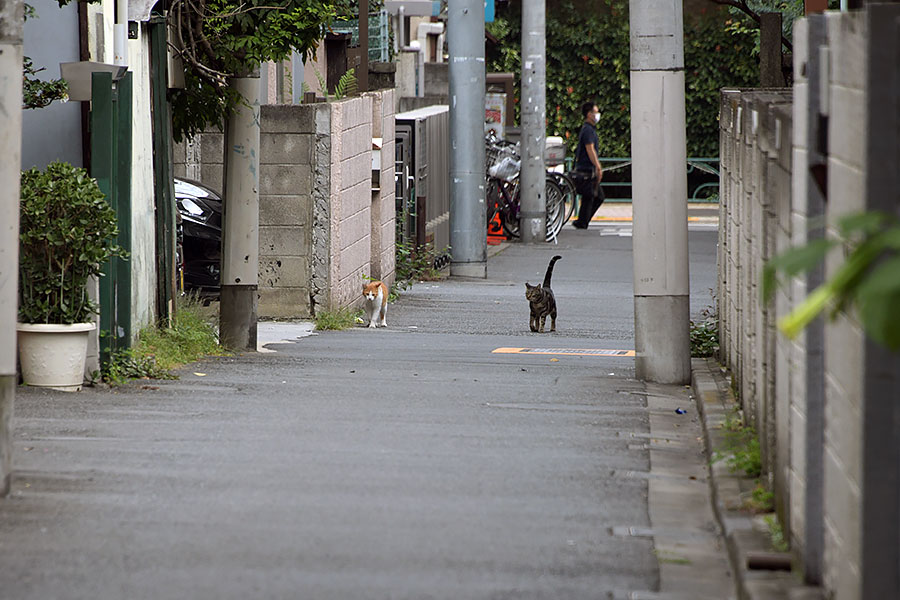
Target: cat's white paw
(371, 324)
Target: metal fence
(379, 35)
(703, 179)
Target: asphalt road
(407, 462)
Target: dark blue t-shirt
(588, 135)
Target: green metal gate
(111, 166)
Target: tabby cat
(541, 300)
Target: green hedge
(588, 59)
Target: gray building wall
(54, 132)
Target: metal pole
(240, 243)
(11, 30)
(297, 74)
(661, 285)
(533, 223)
(362, 74)
(468, 227)
(120, 33)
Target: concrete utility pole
(12, 21)
(661, 285)
(468, 219)
(240, 233)
(533, 223)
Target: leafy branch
(346, 85)
(742, 6)
(869, 278)
(37, 93)
(222, 39)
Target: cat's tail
(550, 270)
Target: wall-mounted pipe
(120, 33)
(426, 29)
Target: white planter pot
(53, 356)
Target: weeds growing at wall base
(335, 320)
(742, 452)
(705, 334)
(193, 335)
(413, 263)
(760, 499)
(776, 533)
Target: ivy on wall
(588, 59)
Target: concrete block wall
(286, 182)
(823, 403)
(778, 357)
(322, 231)
(351, 217)
(844, 340)
(756, 189)
(202, 159)
(383, 201)
(791, 355)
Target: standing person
(588, 171)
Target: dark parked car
(199, 236)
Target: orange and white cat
(376, 295)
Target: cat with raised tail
(542, 302)
(376, 295)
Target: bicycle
(570, 195)
(502, 191)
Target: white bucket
(53, 356)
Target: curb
(744, 534)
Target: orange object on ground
(495, 233)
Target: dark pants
(588, 187)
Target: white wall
(53, 132)
(101, 17)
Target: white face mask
(596, 117)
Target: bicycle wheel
(570, 196)
(556, 208)
(509, 209)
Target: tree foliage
(221, 39)
(38, 93)
(588, 60)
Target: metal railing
(703, 189)
(379, 37)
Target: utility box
(423, 179)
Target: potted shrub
(67, 231)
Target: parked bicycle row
(503, 165)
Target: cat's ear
(528, 286)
